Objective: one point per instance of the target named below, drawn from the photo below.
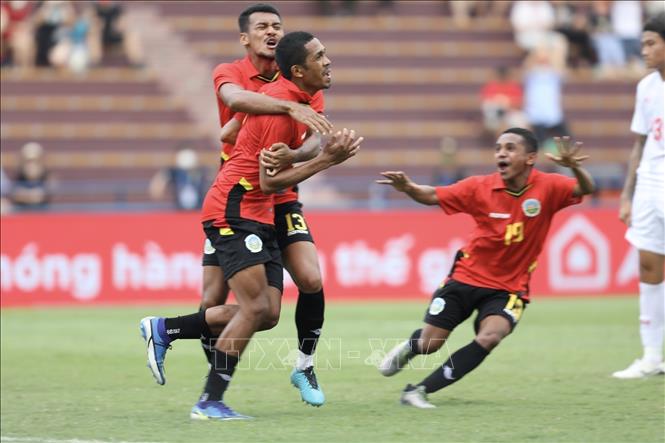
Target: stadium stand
(405, 78)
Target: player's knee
(489, 339)
(309, 282)
(213, 294)
(207, 301)
(271, 320)
(650, 272)
(258, 312)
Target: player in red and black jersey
(235, 86)
(261, 29)
(513, 209)
(238, 220)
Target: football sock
(219, 376)
(207, 340)
(463, 361)
(413, 341)
(187, 326)
(304, 361)
(652, 318)
(309, 320)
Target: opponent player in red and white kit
(513, 209)
(643, 202)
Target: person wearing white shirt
(643, 202)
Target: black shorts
(290, 224)
(246, 244)
(209, 254)
(455, 302)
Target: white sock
(652, 319)
(304, 361)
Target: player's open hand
(316, 122)
(397, 179)
(276, 158)
(341, 146)
(567, 157)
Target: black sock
(309, 320)
(413, 341)
(463, 361)
(187, 326)
(219, 376)
(208, 341)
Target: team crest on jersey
(437, 306)
(531, 207)
(207, 247)
(253, 243)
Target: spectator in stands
(611, 57)
(533, 24)
(626, 19)
(501, 103)
(349, 7)
(74, 49)
(33, 186)
(447, 171)
(17, 45)
(464, 11)
(52, 22)
(5, 192)
(543, 81)
(114, 32)
(186, 180)
(573, 23)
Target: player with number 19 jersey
(510, 227)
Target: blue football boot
(157, 343)
(215, 410)
(310, 391)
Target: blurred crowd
(31, 186)
(65, 34)
(556, 38)
(604, 35)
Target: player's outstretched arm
(568, 158)
(281, 156)
(626, 201)
(341, 146)
(401, 182)
(242, 100)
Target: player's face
(653, 50)
(316, 72)
(511, 156)
(264, 31)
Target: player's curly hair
(656, 24)
(243, 18)
(530, 140)
(291, 51)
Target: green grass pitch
(79, 374)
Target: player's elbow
(429, 199)
(268, 186)
(229, 138)
(234, 102)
